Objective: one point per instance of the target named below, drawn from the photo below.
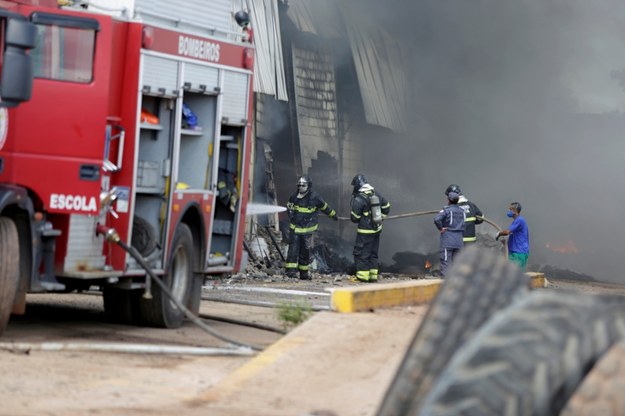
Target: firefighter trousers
(298, 256)
(447, 256)
(366, 256)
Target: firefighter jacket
(303, 212)
(471, 211)
(451, 218)
(361, 210)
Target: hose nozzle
(109, 233)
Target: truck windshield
(64, 53)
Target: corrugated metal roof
(382, 71)
(268, 65)
(381, 61)
(319, 17)
(202, 16)
(193, 15)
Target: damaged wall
(315, 103)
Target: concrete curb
(388, 295)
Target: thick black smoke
(514, 101)
(520, 101)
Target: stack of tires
(490, 346)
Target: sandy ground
(338, 362)
(80, 383)
(333, 361)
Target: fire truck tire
(601, 392)
(143, 236)
(120, 306)
(9, 269)
(479, 283)
(195, 295)
(160, 311)
(529, 358)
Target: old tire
(480, 283)
(9, 269)
(601, 391)
(529, 358)
(160, 311)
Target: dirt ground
(344, 365)
(80, 383)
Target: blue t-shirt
(519, 241)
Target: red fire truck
(136, 139)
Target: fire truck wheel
(601, 392)
(479, 283)
(9, 268)
(143, 236)
(160, 311)
(529, 358)
(121, 306)
(195, 295)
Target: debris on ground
(267, 249)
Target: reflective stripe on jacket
(304, 212)
(361, 210)
(471, 211)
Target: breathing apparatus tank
(376, 210)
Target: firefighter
(471, 212)
(450, 223)
(302, 209)
(227, 191)
(368, 209)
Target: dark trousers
(366, 252)
(447, 256)
(298, 256)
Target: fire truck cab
(136, 139)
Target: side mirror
(17, 68)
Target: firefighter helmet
(453, 188)
(304, 184)
(358, 181)
(453, 197)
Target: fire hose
(122, 348)
(419, 213)
(111, 235)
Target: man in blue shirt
(519, 241)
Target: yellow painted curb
(537, 280)
(383, 295)
(387, 295)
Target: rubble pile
(561, 274)
(267, 251)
